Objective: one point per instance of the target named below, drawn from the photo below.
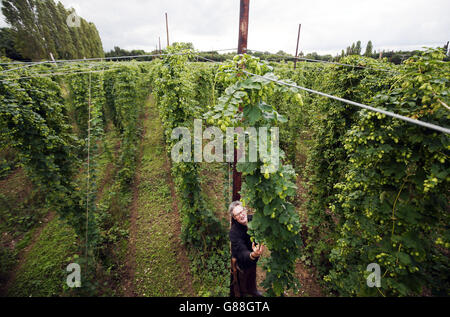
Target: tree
(283, 53)
(352, 49)
(64, 46)
(357, 50)
(369, 49)
(348, 51)
(97, 41)
(39, 27)
(47, 28)
(21, 16)
(184, 45)
(7, 47)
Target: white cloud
(327, 26)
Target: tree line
(40, 27)
(395, 57)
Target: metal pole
(296, 49)
(159, 39)
(167, 30)
(242, 48)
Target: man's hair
(232, 206)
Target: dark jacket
(241, 246)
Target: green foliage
(8, 160)
(211, 273)
(43, 272)
(34, 125)
(327, 160)
(377, 187)
(40, 28)
(369, 48)
(7, 44)
(175, 90)
(33, 122)
(275, 222)
(85, 88)
(393, 198)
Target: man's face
(240, 215)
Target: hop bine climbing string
(88, 169)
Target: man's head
(238, 212)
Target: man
(244, 251)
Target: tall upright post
(296, 49)
(167, 30)
(242, 48)
(52, 58)
(243, 26)
(159, 39)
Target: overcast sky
(327, 26)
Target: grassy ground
(161, 267)
(22, 213)
(42, 272)
(214, 183)
(41, 245)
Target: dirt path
(182, 255)
(306, 276)
(158, 264)
(128, 284)
(23, 255)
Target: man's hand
(257, 250)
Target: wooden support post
(242, 48)
(296, 49)
(52, 58)
(243, 26)
(167, 30)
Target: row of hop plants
(117, 103)
(377, 186)
(35, 122)
(181, 91)
(266, 189)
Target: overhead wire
(11, 69)
(82, 62)
(385, 112)
(55, 74)
(60, 68)
(112, 57)
(388, 113)
(327, 62)
(370, 108)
